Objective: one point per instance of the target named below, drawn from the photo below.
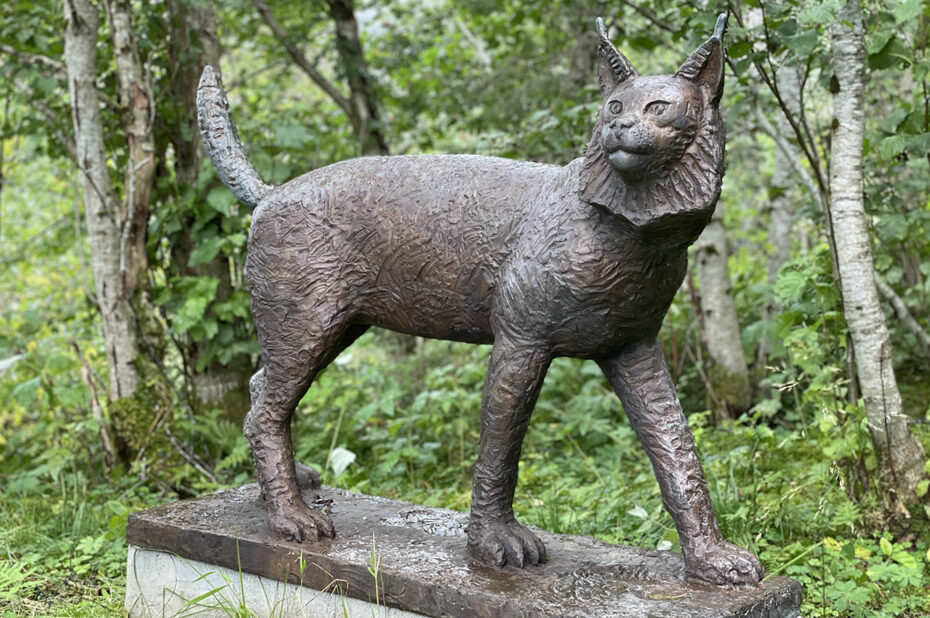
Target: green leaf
(340, 459)
(221, 200)
(891, 146)
(804, 43)
(905, 559)
(26, 392)
(885, 544)
(892, 54)
(199, 293)
(878, 39)
(818, 14)
(789, 286)
(906, 10)
(739, 49)
(922, 488)
(206, 250)
(292, 136)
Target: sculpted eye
(657, 108)
(615, 107)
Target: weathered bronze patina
(542, 261)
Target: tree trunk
(360, 107)
(781, 203)
(136, 106)
(782, 196)
(364, 105)
(901, 456)
(194, 44)
(100, 206)
(116, 229)
(727, 370)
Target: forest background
(799, 343)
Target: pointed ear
(704, 67)
(612, 66)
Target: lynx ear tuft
(613, 67)
(705, 66)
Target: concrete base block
(163, 584)
(213, 555)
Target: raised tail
(222, 142)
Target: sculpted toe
(725, 564)
(499, 544)
(300, 523)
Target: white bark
(728, 373)
(135, 101)
(900, 454)
(101, 209)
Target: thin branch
(109, 452)
(82, 260)
(923, 339)
(190, 457)
(808, 148)
(59, 68)
(301, 60)
(481, 50)
(130, 219)
(242, 79)
(652, 17)
(36, 59)
(52, 119)
(781, 142)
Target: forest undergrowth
(797, 493)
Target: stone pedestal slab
(398, 560)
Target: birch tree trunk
(727, 371)
(135, 101)
(901, 456)
(116, 228)
(102, 210)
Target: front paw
(297, 521)
(723, 564)
(498, 543)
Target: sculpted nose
(623, 123)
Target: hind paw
(724, 564)
(300, 523)
(498, 544)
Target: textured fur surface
(542, 261)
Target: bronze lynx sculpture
(541, 261)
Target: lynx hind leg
(307, 476)
(291, 365)
(296, 345)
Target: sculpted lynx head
(656, 153)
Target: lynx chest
(588, 285)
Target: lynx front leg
(511, 387)
(641, 379)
